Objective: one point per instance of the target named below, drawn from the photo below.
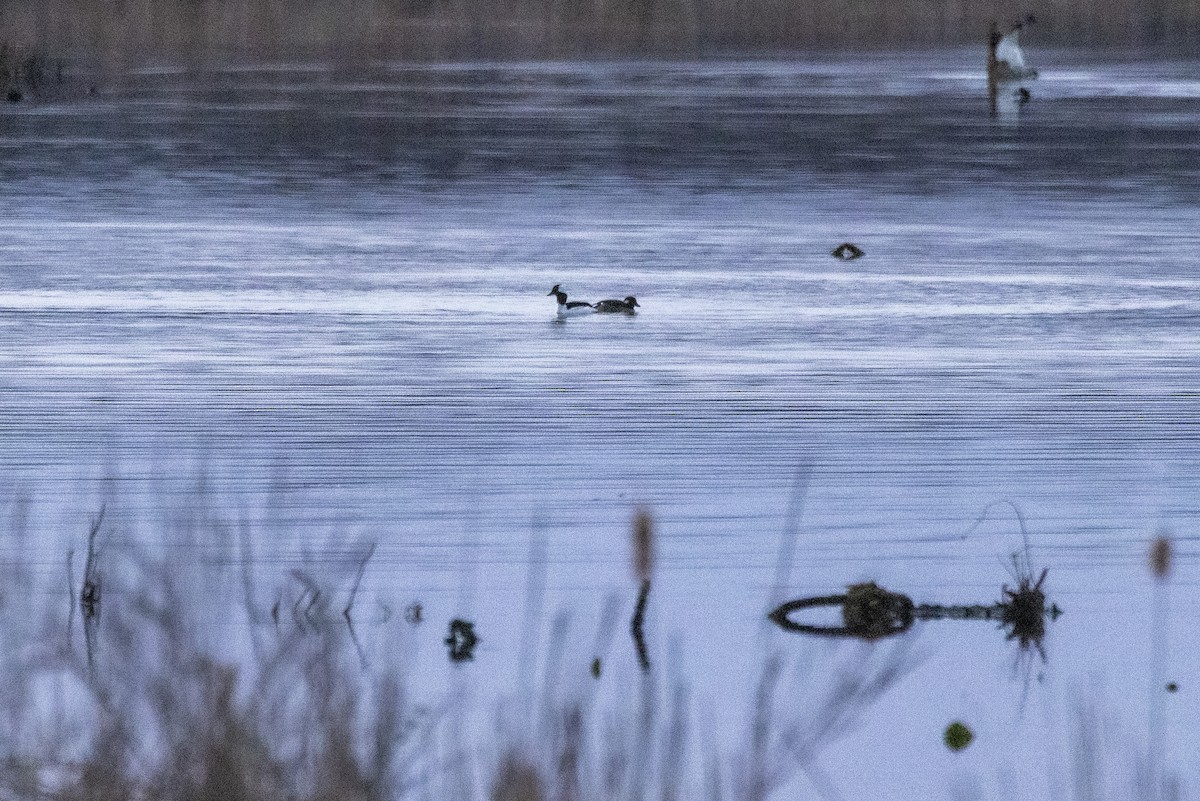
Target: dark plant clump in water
(462, 640)
(958, 736)
(870, 611)
(1024, 611)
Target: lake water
(316, 302)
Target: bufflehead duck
(565, 308)
(847, 251)
(628, 305)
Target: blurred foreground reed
(182, 680)
(198, 683)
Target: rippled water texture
(324, 295)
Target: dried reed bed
(165, 704)
(126, 33)
(279, 700)
(199, 683)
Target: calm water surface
(323, 296)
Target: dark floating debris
(1160, 556)
(462, 640)
(870, 612)
(1024, 612)
(847, 251)
(596, 668)
(1172, 687)
(958, 736)
(414, 613)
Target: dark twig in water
(636, 626)
(312, 594)
(362, 568)
(70, 593)
(786, 556)
(91, 591)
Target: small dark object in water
(414, 613)
(868, 612)
(1160, 556)
(958, 736)
(89, 599)
(871, 611)
(847, 251)
(1172, 687)
(462, 640)
(14, 96)
(1024, 611)
(1023, 96)
(596, 668)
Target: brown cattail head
(1160, 556)
(643, 544)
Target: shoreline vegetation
(125, 34)
(154, 675)
(188, 681)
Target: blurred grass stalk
(119, 34)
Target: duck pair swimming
(575, 307)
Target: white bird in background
(1007, 61)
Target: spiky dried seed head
(643, 544)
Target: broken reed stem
(70, 593)
(90, 592)
(643, 567)
(362, 568)
(636, 626)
